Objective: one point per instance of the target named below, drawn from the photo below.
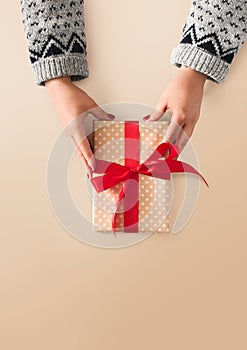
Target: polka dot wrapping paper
(154, 194)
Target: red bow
(154, 166)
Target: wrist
(193, 74)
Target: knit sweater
(211, 37)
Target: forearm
(56, 40)
(212, 36)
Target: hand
(183, 97)
(72, 104)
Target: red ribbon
(154, 166)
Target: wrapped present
(154, 195)
(133, 193)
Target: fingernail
(111, 116)
(146, 117)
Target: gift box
(149, 198)
(133, 191)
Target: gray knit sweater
(212, 35)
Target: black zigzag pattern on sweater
(54, 47)
(209, 42)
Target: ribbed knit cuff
(74, 66)
(196, 58)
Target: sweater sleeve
(56, 41)
(212, 35)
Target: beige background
(178, 292)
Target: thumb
(156, 114)
(99, 113)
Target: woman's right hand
(72, 105)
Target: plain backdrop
(185, 291)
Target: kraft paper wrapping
(154, 194)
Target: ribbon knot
(136, 170)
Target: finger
(81, 141)
(174, 128)
(85, 164)
(160, 109)
(155, 115)
(99, 113)
(84, 146)
(87, 153)
(184, 137)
